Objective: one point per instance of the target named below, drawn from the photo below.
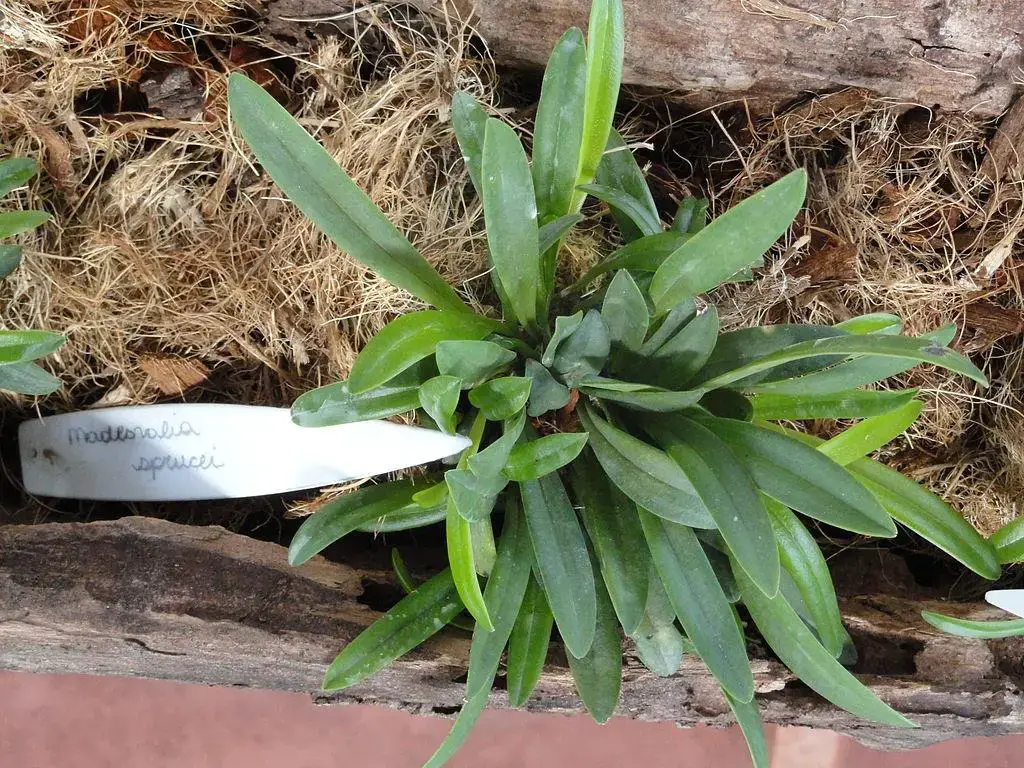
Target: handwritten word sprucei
(169, 463)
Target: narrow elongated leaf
(748, 717)
(551, 234)
(800, 650)
(401, 570)
(737, 349)
(624, 312)
(700, 604)
(27, 379)
(645, 254)
(659, 644)
(464, 723)
(644, 473)
(536, 458)
(585, 351)
(976, 630)
(691, 215)
(619, 171)
(23, 346)
(439, 397)
(675, 320)
(474, 495)
(1008, 540)
(348, 512)
(803, 561)
(562, 562)
(871, 434)
(432, 496)
(605, 46)
(311, 179)
(471, 361)
(528, 644)
(15, 172)
(546, 394)
(335, 404)
(459, 538)
(641, 397)
(469, 120)
(728, 492)
(415, 618)
(565, 326)
(787, 471)
(15, 222)
(490, 461)
(598, 674)
(876, 322)
(852, 404)
(625, 206)
(406, 518)
(680, 358)
(10, 258)
(510, 213)
(735, 240)
(613, 526)
(502, 398)
(559, 126)
(408, 339)
(485, 552)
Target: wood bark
(145, 597)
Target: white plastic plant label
(204, 451)
(1010, 600)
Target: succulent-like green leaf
(641, 397)
(678, 318)
(659, 644)
(401, 570)
(474, 495)
(471, 361)
(735, 240)
(624, 311)
(415, 618)
(550, 235)
(565, 326)
(800, 650)
(613, 526)
(598, 674)
(439, 397)
(976, 630)
(644, 473)
(10, 258)
(335, 404)
(619, 171)
(748, 717)
(851, 404)
(510, 214)
(408, 339)
(469, 120)
(1008, 540)
(737, 349)
(645, 254)
(871, 434)
(584, 352)
(562, 562)
(15, 172)
(536, 458)
(406, 518)
(875, 322)
(27, 379)
(680, 358)
(23, 346)
(528, 644)
(307, 173)
(461, 558)
(15, 222)
(691, 215)
(546, 394)
(699, 603)
(432, 496)
(491, 460)
(502, 398)
(625, 206)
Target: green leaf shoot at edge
(536, 458)
(1008, 540)
(528, 644)
(977, 630)
(598, 674)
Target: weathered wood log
(145, 597)
(958, 54)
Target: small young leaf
(748, 717)
(439, 397)
(675, 320)
(645, 254)
(402, 572)
(976, 630)
(871, 434)
(534, 459)
(417, 617)
(15, 172)
(598, 674)
(23, 346)
(335, 404)
(645, 474)
(851, 404)
(546, 394)
(691, 215)
(700, 604)
(736, 239)
(585, 351)
(307, 173)
(10, 258)
(490, 461)
(641, 397)
(625, 206)
(27, 379)
(562, 562)
(474, 495)
(528, 644)
(408, 339)
(469, 120)
(565, 326)
(659, 644)
(624, 312)
(502, 398)
(550, 234)
(1008, 540)
(680, 358)
(876, 322)
(15, 222)
(459, 537)
(800, 650)
(619, 171)
(471, 361)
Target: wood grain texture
(148, 598)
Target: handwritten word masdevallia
(170, 463)
(127, 433)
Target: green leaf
(659, 644)
(10, 258)
(851, 404)
(405, 578)
(976, 630)
(464, 723)
(699, 602)
(619, 171)
(613, 527)
(645, 254)
(584, 352)
(406, 518)
(691, 215)
(624, 312)
(800, 650)
(490, 461)
(803, 479)
(472, 362)
(562, 562)
(15, 172)
(474, 495)
(803, 561)
(533, 460)
(728, 492)
(528, 645)
(546, 394)
(459, 538)
(550, 234)
(598, 674)
(469, 120)
(624, 205)
(27, 379)
(432, 496)
(565, 326)
(408, 339)
(417, 617)
(439, 397)
(727, 404)
(671, 323)
(1008, 540)
(738, 349)
(23, 346)
(871, 434)
(15, 222)
(735, 240)
(558, 131)
(354, 509)
(510, 214)
(311, 179)
(680, 358)
(502, 398)
(748, 717)
(605, 46)
(644, 473)
(481, 538)
(876, 322)
(641, 397)
(335, 404)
